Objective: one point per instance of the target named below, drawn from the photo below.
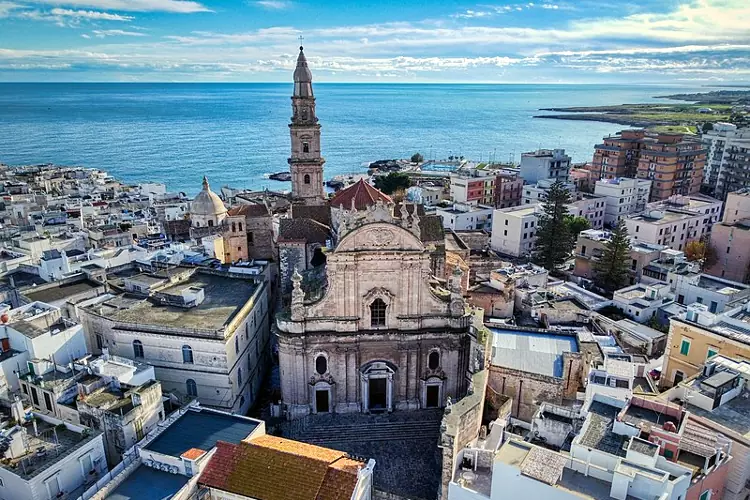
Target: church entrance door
(378, 401)
(433, 396)
(321, 401)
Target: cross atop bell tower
(305, 163)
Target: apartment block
(590, 247)
(464, 217)
(730, 239)
(618, 155)
(508, 189)
(675, 221)
(513, 230)
(477, 187)
(715, 141)
(545, 164)
(623, 197)
(697, 335)
(674, 163)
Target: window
(210, 223)
(192, 387)
(35, 396)
(706, 495)
(377, 312)
(712, 351)
(505, 232)
(714, 306)
(685, 347)
(434, 360)
(236, 345)
(239, 226)
(307, 178)
(187, 354)
(699, 300)
(250, 240)
(305, 147)
(321, 365)
(239, 376)
(234, 227)
(99, 341)
(137, 349)
(506, 222)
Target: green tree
(394, 181)
(554, 242)
(577, 224)
(701, 251)
(417, 158)
(611, 270)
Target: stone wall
(526, 389)
(291, 256)
(260, 234)
(460, 427)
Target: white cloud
(274, 4)
(178, 6)
(7, 7)
(106, 33)
(90, 14)
(85, 36)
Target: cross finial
(300, 41)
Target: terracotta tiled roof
(193, 453)
(274, 468)
(362, 193)
(249, 210)
(307, 230)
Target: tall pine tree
(611, 271)
(554, 242)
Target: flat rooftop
(60, 292)
(532, 352)
(201, 429)
(147, 483)
(724, 287)
(734, 414)
(224, 297)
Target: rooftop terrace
(224, 297)
(533, 352)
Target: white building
(207, 333)
(589, 207)
(642, 302)
(47, 459)
(623, 196)
(462, 217)
(513, 230)
(545, 164)
(537, 192)
(675, 222)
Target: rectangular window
(712, 351)
(583, 249)
(699, 300)
(685, 347)
(714, 306)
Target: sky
(690, 42)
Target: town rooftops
(359, 195)
(597, 430)
(224, 297)
(274, 468)
(54, 292)
(202, 430)
(529, 351)
(148, 483)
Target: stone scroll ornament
(379, 237)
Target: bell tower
(305, 163)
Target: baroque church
(365, 327)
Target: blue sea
(237, 134)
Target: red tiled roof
(193, 453)
(362, 193)
(274, 468)
(249, 210)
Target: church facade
(380, 334)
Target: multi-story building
(623, 197)
(117, 396)
(697, 335)
(735, 163)
(508, 188)
(537, 192)
(618, 155)
(730, 239)
(641, 302)
(544, 164)
(674, 163)
(675, 222)
(475, 187)
(45, 458)
(715, 141)
(463, 217)
(513, 230)
(206, 332)
(590, 248)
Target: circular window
(434, 360)
(321, 364)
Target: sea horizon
(237, 133)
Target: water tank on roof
(656, 214)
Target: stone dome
(207, 203)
